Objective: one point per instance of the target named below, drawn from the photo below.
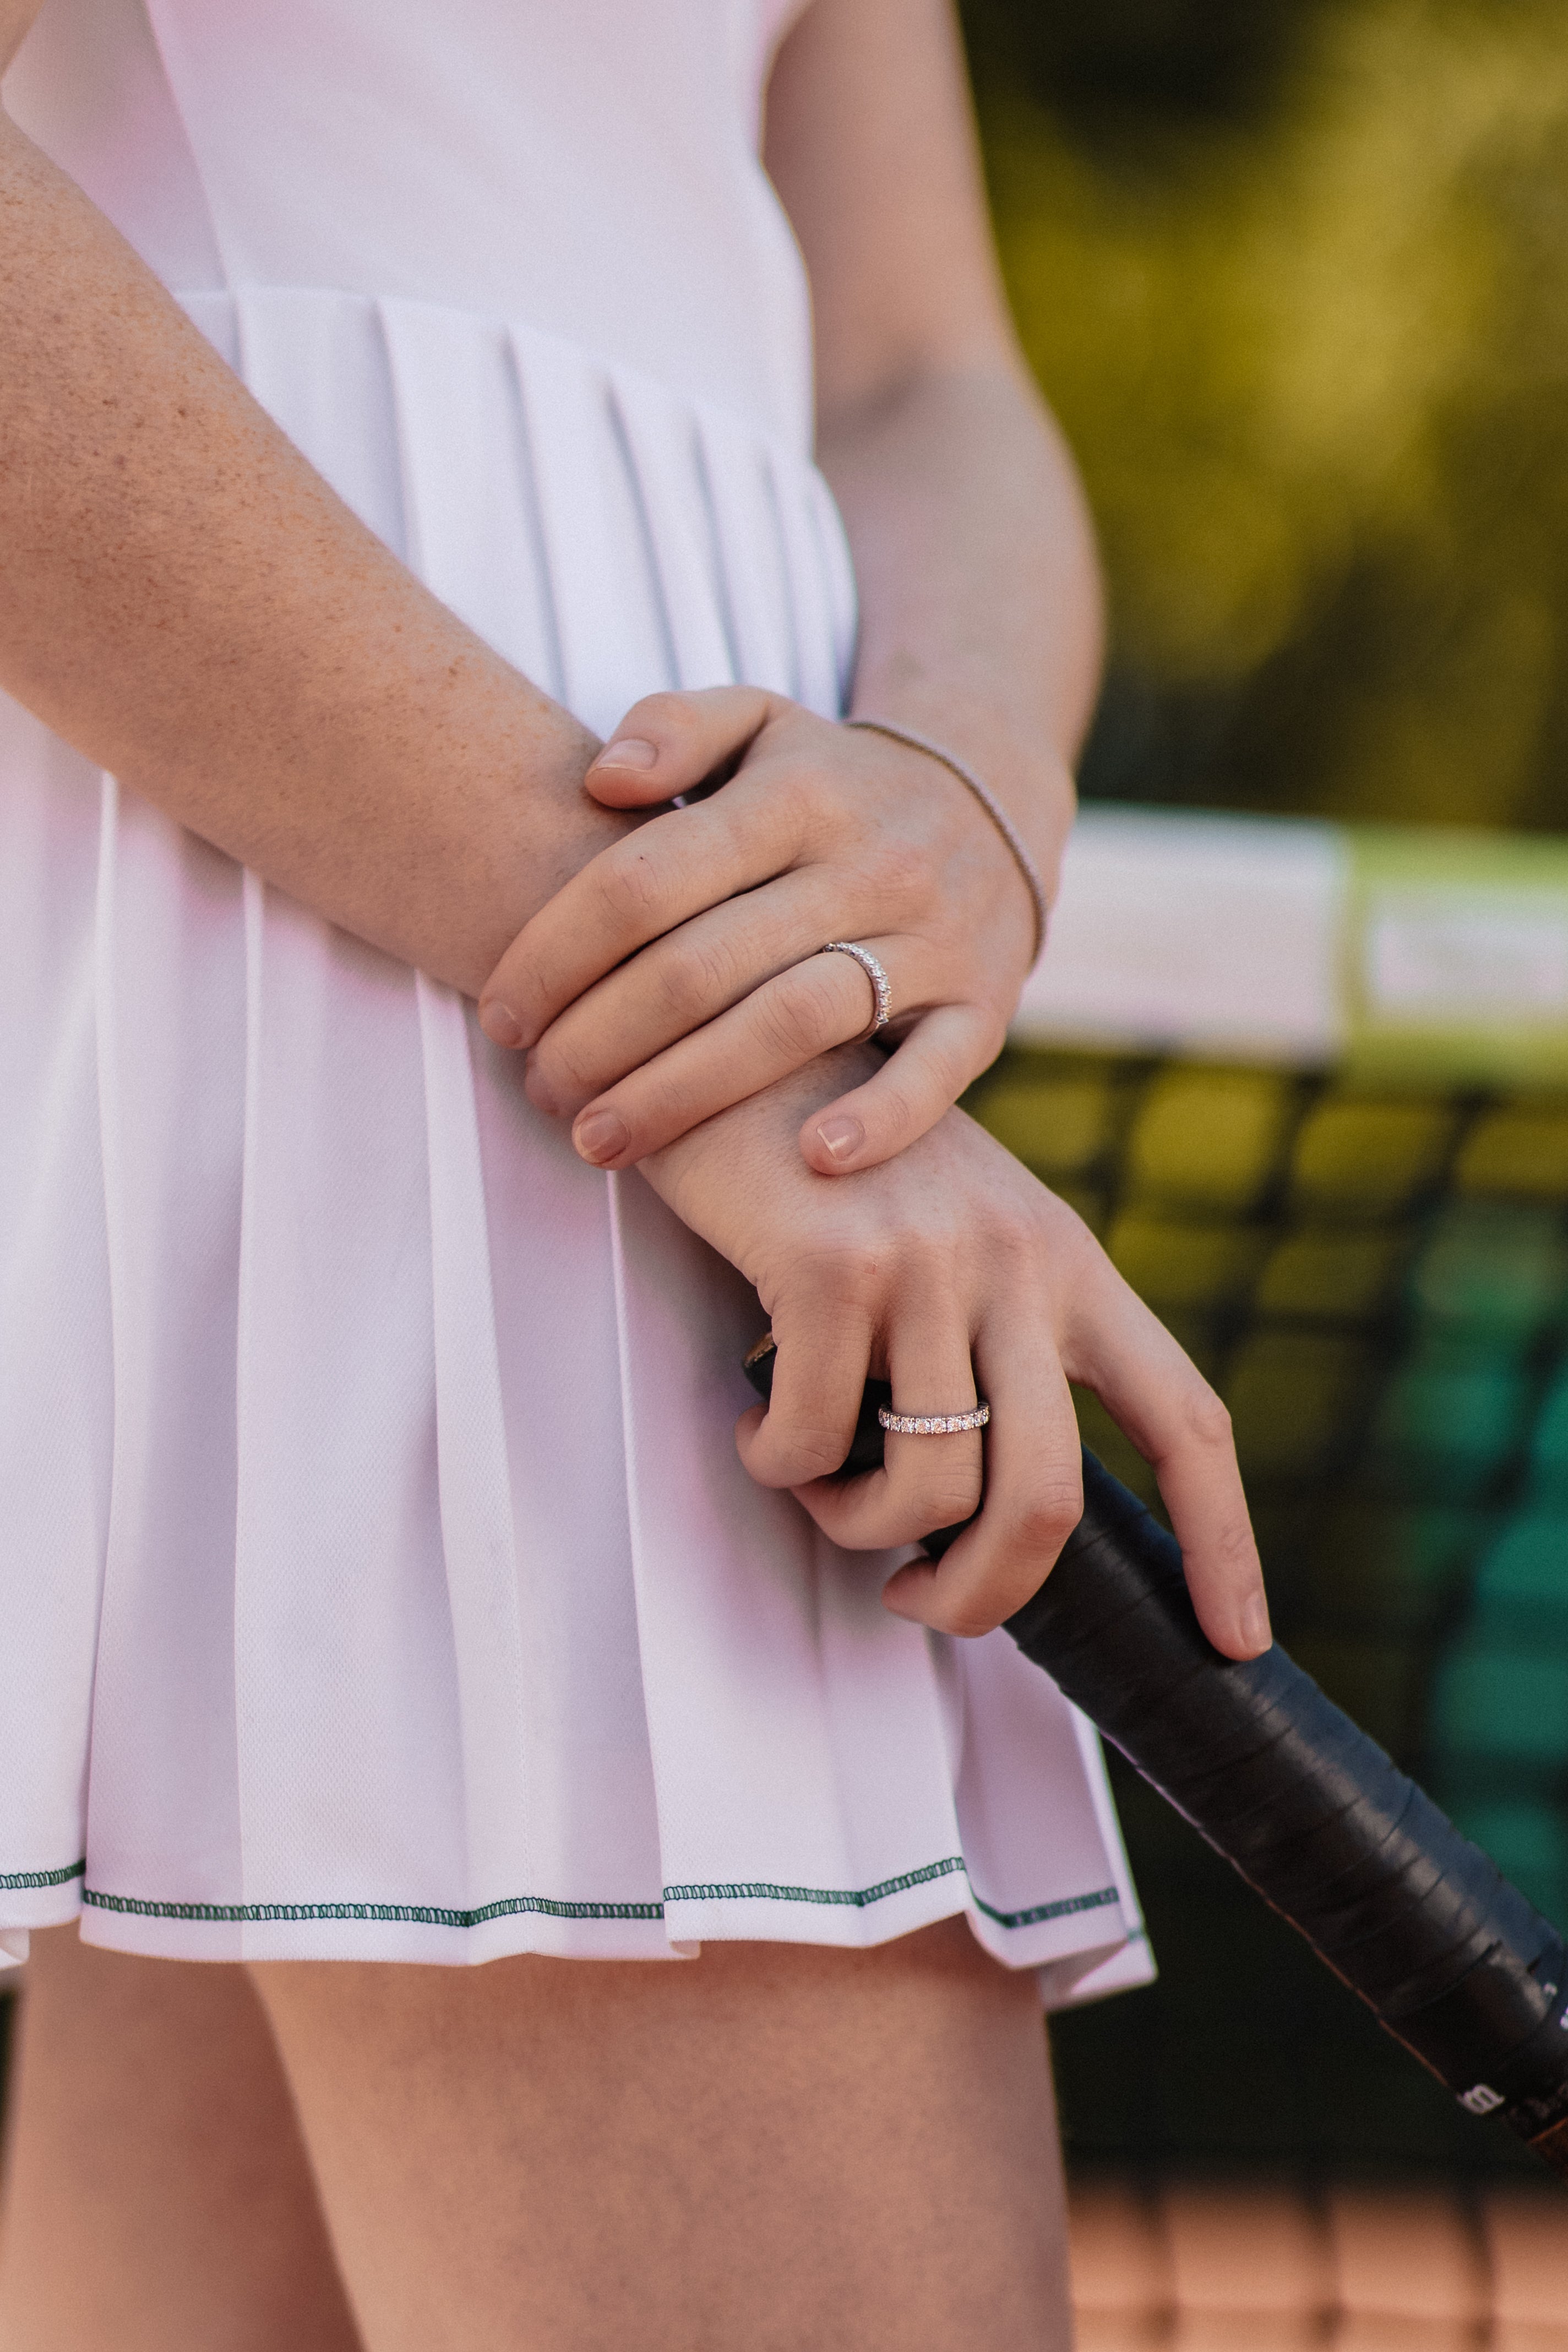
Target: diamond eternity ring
(881, 987)
(933, 1425)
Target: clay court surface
(1212, 2269)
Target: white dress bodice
(448, 152)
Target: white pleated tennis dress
(377, 1575)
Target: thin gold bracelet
(988, 801)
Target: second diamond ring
(933, 1425)
(881, 987)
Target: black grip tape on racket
(1453, 1961)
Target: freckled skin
(182, 598)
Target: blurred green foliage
(1295, 275)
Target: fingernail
(1255, 1623)
(841, 1137)
(600, 1135)
(629, 751)
(499, 1022)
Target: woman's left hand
(679, 971)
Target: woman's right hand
(944, 1268)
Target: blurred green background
(1294, 274)
(1377, 1284)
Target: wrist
(1028, 774)
(754, 1125)
(554, 828)
(718, 1176)
(986, 800)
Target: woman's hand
(947, 1268)
(679, 972)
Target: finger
(667, 743)
(667, 871)
(925, 1482)
(805, 1011)
(942, 1055)
(676, 986)
(1034, 1488)
(823, 1327)
(1155, 1392)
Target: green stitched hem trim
(1095, 1902)
(763, 1891)
(11, 1880)
(423, 1914)
(416, 1915)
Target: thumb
(670, 743)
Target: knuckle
(806, 790)
(667, 712)
(694, 980)
(658, 1109)
(1206, 1418)
(858, 1276)
(668, 718)
(1049, 1515)
(811, 1450)
(1237, 1547)
(558, 1076)
(899, 1109)
(963, 1615)
(902, 869)
(798, 1017)
(631, 887)
(662, 1090)
(521, 980)
(950, 1496)
(1017, 1231)
(1075, 1248)
(516, 964)
(931, 1257)
(850, 1271)
(572, 1052)
(831, 981)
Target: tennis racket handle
(1451, 1959)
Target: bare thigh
(158, 2197)
(773, 2149)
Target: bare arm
(979, 592)
(183, 599)
(980, 627)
